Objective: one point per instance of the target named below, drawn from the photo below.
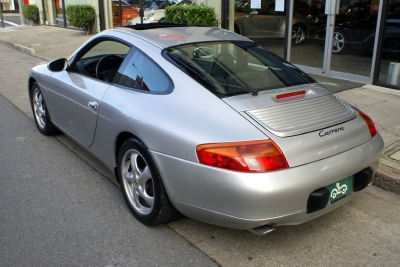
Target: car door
(266, 22)
(75, 94)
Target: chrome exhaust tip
(262, 230)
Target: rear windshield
(233, 68)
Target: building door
(338, 46)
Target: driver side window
(102, 60)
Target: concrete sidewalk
(381, 104)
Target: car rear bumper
(248, 200)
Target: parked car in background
(204, 122)
(390, 45)
(128, 12)
(157, 15)
(268, 23)
(351, 31)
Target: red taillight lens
(281, 96)
(253, 156)
(369, 122)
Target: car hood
(308, 127)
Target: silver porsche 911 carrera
(203, 122)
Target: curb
(22, 48)
(387, 179)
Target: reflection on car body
(203, 122)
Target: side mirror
(58, 65)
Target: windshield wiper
(244, 88)
(189, 67)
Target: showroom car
(202, 122)
(267, 22)
(355, 30)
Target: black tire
(299, 34)
(391, 50)
(340, 42)
(141, 185)
(40, 112)
(236, 28)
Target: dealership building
(361, 42)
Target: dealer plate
(340, 189)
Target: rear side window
(140, 72)
(233, 68)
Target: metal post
(1, 14)
(231, 25)
(120, 12)
(20, 4)
(288, 29)
(102, 15)
(224, 14)
(141, 11)
(64, 14)
(380, 30)
(330, 11)
(44, 12)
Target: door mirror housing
(58, 65)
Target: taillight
(252, 156)
(369, 122)
(286, 95)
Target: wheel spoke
(134, 165)
(40, 99)
(148, 199)
(42, 112)
(144, 176)
(37, 99)
(128, 176)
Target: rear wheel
(339, 42)
(141, 185)
(40, 112)
(298, 34)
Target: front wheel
(40, 112)
(339, 42)
(141, 185)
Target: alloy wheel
(298, 35)
(137, 181)
(338, 42)
(39, 108)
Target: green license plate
(340, 189)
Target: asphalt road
(58, 211)
(59, 207)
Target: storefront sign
(280, 5)
(256, 4)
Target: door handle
(93, 105)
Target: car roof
(171, 35)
